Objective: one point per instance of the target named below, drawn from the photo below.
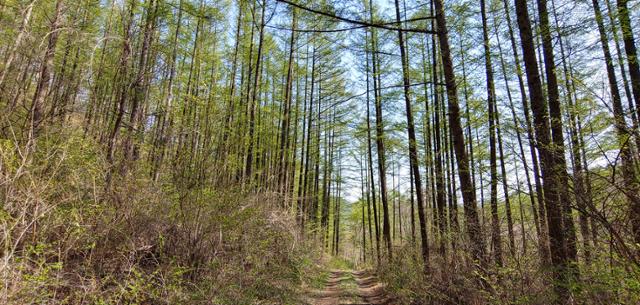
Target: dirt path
(350, 287)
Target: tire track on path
(348, 287)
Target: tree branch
(384, 25)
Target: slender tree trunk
(430, 186)
(413, 221)
(575, 146)
(624, 136)
(232, 85)
(37, 107)
(316, 194)
(543, 242)
(139, 83)
(470, 135)
(413, 149)
(439, 211)
(254, 100)
(557, 133)
(623, 72)
(634, 75)
(96, 100)
(305, 185)
(505, 185)
(163, 132)
(554, 207)
(123, 90)
(468, 193)
(303, 149)
(368, 189)
(362, 195)
(496, 239)
(453, 197)
(26, 18)
(386, 230)
(284, 135)
(521, 210)
(369, 145)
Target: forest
(319, 152)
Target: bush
(70, 239)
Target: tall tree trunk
(413, 149)
(634, 75)
(496, 239)
(303, 149)
(578, 182)
(453, 197)
(368, 196)
(369, 149)
(428, 146)
(284, 129)
(305, 185)
(386, 230)
(554, 207)
(468, 193)
(336, 213)
(232, 85)
(505, 185)
(26, 18)
(470, 134)
(557, 133)
(623, 71)
(163, 132)
(362, 196)
(254, 100)
(439, 210)
(123, 89)
(411, 198)
(624, 136)
(139, 83)
(543, 243)
(37, 107)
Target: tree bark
(26, 18)
(624, 136)
(413, 150)
(255, 97)
(496, 239)
(42, 88)
(634, 75)
(554, 207)
(369, 150)
(468, 193)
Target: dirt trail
(350, 287)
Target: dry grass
(66, 239)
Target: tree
(42, 88)
(624, 136)
(468, 194)
(548, 162)
(386, 230)
(413, 150)
(254, 96)
(496, 240)
(634, 75)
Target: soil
(350, 287)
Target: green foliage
(340, 263)
(138, 242)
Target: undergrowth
(67, 238)
(522, 280)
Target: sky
(570, 13)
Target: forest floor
(350, 287)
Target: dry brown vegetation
(68, 240)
